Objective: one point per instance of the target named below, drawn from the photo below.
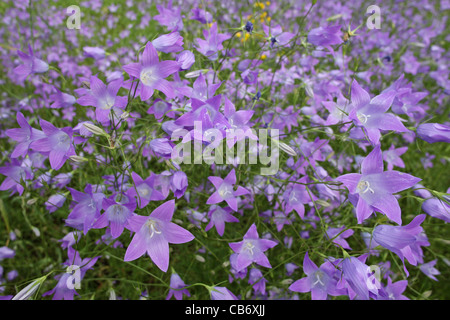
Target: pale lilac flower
(86, 210)
(374, 187)
(104, 98)
(144, 191)
(251, 249)
(186, 59)
(31, 64)
(171, 42)
(154, 233)
(434, 132)
(170, 17)
(371, 115)
(392, 157)
(218, 217)
(437, 208)
(118, 212)
(319, 281)
(24, 135)
(277, 37)
(212, 44)
(152, 73)
(177, 286)
(58, 143)
(429, 270)
(67, 282)
(225, 190)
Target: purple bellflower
(251, 249)
(371, 115)
(296, 196)
(118, 212)
(320, 281)
(434, 132)
(31, 64)
(58, 143)
(24, 135)
(225, 190)
(177, 286)
(217, 218)
(276, 35)
(339, 235)
(152, 73)
(429, 270)
(154, 233)
(325, 36)
(104, 98)
(169, 17)
(222, 293)
(393, 291)
(212, 44)
(171, 42)
(404, 241)
(15, 173)
(362, 284)
(374, 187)
(61, 100)
(392, 157)
(178, 184)
(68, 282)
(437, 208)
(86, 210)
(257, 280)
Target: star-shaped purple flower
(24, 135)
(225, 190)
(374, 187)
(58, 143)
(371, 115)
(251, 249)
(152, 73)
(104, 98)
(153, 235)
(320, 281)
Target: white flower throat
(364, 186)
(148, 76)
(153, 227)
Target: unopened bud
(196, 73)
(78, 159)
(124, 115)
(94, 129)
(286, 148)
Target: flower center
(225, 191)
(249, 247)
(319, 278)
(107, 103)
(292, 197)
(364, 186)
(153, 227)
(63, 138)
(363, 117)
(148, 77)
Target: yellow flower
(238, 34)
(263, 57)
